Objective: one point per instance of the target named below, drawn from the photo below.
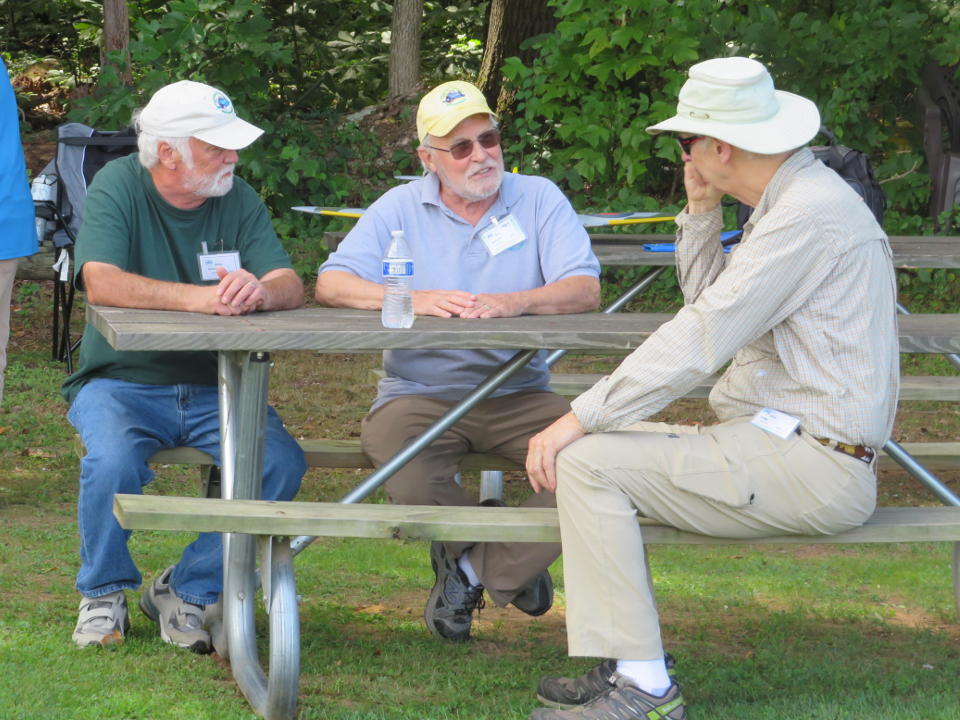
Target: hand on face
(701, 195)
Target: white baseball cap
(732, 99)
(191, 109)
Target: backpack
(852, 165)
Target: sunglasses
(464, 148)
(687, 142)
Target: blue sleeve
(564, 244)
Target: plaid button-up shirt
(803, 310)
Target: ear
(169, 157)
(722, 151)
(426, 157)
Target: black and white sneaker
(449, 611)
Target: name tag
(502, 234)
(209, 262)
(776, 422)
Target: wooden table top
(340, 330)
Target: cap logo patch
(454, 97)
(222, 103)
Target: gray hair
(149, 145)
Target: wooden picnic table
(243, 344)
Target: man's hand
(544, 447)
(701, 196)
(443, 303)
(238, 293)
(494, 305)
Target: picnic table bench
(243, 343)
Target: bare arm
(580, 293)
(238, 292)
(336, 288)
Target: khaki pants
(501, 426)
(730, 480)
(8, 272)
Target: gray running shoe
(567, 693)
(103, 622)
(625, 701)
(452, 601)
(181, 623)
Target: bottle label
(398, 268)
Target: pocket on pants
(710, 465)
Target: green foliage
(293, 69)
(612, 69)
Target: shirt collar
(778, 183)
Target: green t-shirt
(128, 224)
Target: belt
(860, 452)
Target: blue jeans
(122, 424)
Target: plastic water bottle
(397, 278)
(43, 188)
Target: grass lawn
(778, 633)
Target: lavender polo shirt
(448, 254)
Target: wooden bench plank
(912, 387)
(347, 454)
(419, 522)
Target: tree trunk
(405, 46)
(510, 23)
(116, 36)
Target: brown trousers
(501, 426)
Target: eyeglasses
(687, 142)
(464, 148)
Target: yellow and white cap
(444, 107)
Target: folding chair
(939, 96)
(59, 193)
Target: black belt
(860, 452)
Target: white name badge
(209, 262)
(502, 234)
(776, 422)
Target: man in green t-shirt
(168, 228)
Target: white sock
(649, 675)
(464, 563)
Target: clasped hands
(238, 293)
(458, 303)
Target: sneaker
(103, 621)
(181, 623)
(567, 693)
(537, 597)
(624, 701)
(449, 611)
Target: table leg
(243, 385)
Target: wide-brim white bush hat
(192, 109)
(733, 100)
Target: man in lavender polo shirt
(484, 244)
